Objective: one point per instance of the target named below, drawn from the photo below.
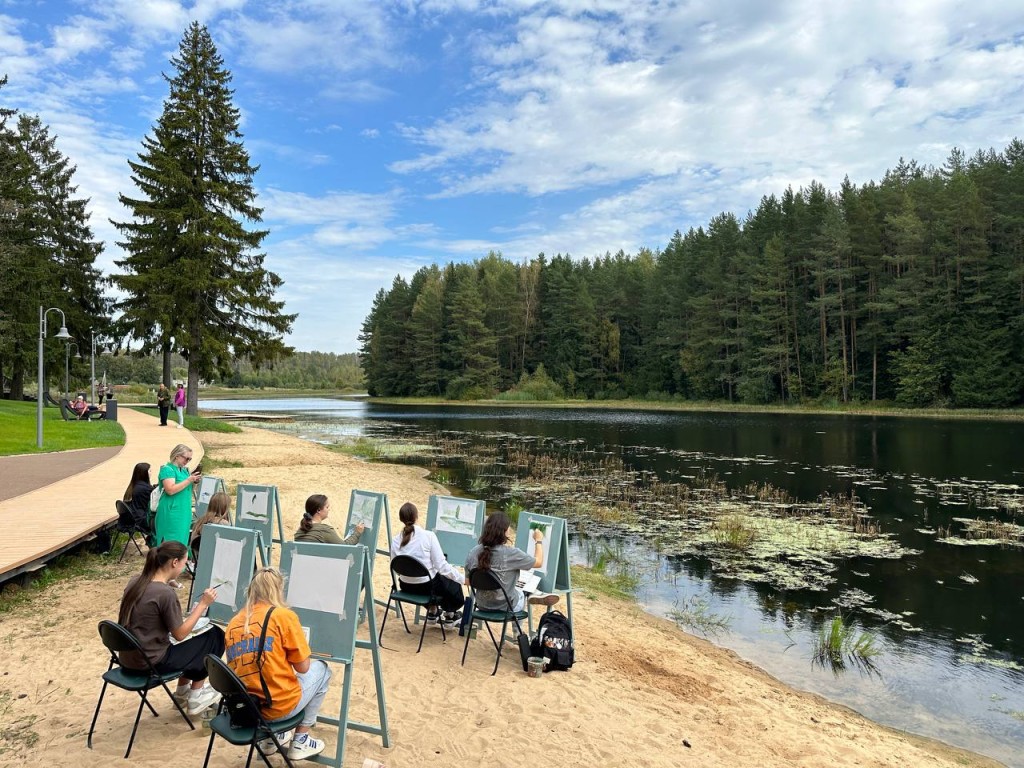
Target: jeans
(181, 413)
(314, 687)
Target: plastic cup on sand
(535, 666)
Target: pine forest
(908, 290)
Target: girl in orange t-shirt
(294, 680)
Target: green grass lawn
(18, 430)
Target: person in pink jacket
(179, 405)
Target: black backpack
(554, 641)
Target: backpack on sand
(554, 642)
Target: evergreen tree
(426, 332)
(47, 250)
(470, 343)
(193, 272)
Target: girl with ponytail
(150, 610)
(313, 528)
(445, 582)
(496, 553)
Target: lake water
(947, 621)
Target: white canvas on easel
(254, 506)
(318, 583)
(227, 560)
(207, 487)
(545, 548)
(456, 516)
(363, 508)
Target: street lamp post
(61, 334)
(92, 369)
(67, 360)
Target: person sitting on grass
(150, 610)
(313, 528)
(217, 513)
(444, 581)
(496, 553)
(295, 682)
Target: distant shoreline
(633, 405)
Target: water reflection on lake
(953, 671)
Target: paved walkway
(41, 523)
(27, 472)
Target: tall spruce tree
(193, 271)
(47, 250)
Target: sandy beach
(643, 693)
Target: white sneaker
(202, 699)
(304, 746)
(267, 746)
(181, 426)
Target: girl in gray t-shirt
(506, 561)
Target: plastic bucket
(535, 666)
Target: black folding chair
(116, 638)
(129, 525)
(486, 580)
(237, 699)
(411, 568)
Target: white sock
(181, 690)
(300, 738)
(195, 693)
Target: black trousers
(190, 656)
(164, 410)
(449, 593)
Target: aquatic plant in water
(696, 614)
(838, 642)
(755, 533)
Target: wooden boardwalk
(38, 525)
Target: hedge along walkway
(40, 524)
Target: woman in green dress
(174, 513)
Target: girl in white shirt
(445, 582)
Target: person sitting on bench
(81, 408)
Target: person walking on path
(163, 402)
(179, 404)
(174, 512)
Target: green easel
(258, 507)
(555, 575)
(325, 584)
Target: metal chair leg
(177, 706)
(209, 748)
(96, 714)
(135, 728)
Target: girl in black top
(136, 495)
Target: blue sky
(392, 134)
